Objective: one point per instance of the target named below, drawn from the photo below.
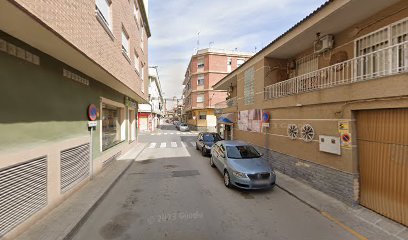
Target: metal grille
(111, 159)
(23, 192)
(258, 176)
(307, 64)
(249, 89)
(74, 166)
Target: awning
(226, 118)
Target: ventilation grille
(23, 192)
(111, 159)
(74, 166)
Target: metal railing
(383, 62)
(227, 103)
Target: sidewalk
(63, 221)
(359, 221)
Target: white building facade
(150, 114)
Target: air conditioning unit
(323, 44)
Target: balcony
(387, 61)
(232, 102)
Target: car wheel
(196, 146)
(203, 152)
(212, 162)
(227, 181)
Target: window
(200, 63)
(240, 61)
(242, 152)
(200, 98)
(200, 80)
(142, 77)
(112, 121)
(136, 12)
(104, 12)
(125, 42)
(142, 37)
(307, 64)
(249, 91)
(229, 64)
(137, 62)
(202, 115)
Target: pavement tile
(404, 234)
(343, 213)
(390, 226)
(369, 216)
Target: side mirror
(261, 154)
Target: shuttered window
(23, 192)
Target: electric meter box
(329, 144)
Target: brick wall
(76, 22)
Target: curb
(71, 233)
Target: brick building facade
(205, 69)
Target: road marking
(159, 134)
(173, 144)
(347, 228)
(152, 145)
(193, 144)
(183, 144)
(171, 133)
(165, 133)
(162, 145)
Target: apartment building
(205, 69)
(150, 114)
(64, 65)
(327, 103)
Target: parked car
(242, 165)
(183, 127)
(178, 125)
(205, 140)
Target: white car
(183, 127)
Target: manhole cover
(185, 173)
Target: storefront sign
(92, 112)
(130, 102)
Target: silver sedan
(242, 165)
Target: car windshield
(242, 152)
(211, 137)
(183, 125)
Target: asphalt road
(171, 192)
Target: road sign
(92, 112)
(265, 117)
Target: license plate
(262, 182)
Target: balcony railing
(227, 103)
(384, 62)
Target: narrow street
(171, 192)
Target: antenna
(198, 41)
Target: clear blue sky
(229, 24)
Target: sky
(176, 26)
